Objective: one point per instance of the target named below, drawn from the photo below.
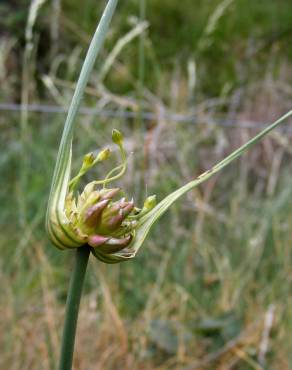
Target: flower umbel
(100, 217)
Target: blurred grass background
(186, 82)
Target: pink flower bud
(97, 240)
(109, 194)
(127, 209)
(114, 245)
(93, 214)
(115, 222)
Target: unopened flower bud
(97, 240)
(114, 245)
(114, 222)
(109, 194)
(103, 155)
(117, 137)
(93, 214)
(88, 160)
(126, 210)
(150, 202)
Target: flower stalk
(72, 307)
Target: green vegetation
(218, 266)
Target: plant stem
(72, 307)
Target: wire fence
(146, 116)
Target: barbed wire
(146, 116)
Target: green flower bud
(150, 202)
(117, 137)
(88, 160)
(103, 155)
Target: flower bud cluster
(107, 225)
(98, 217)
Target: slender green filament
(89, 162)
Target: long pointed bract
(149, 219)
(59, 188)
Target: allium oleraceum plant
(100, 219)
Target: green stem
(72, 307)
(139, 129)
